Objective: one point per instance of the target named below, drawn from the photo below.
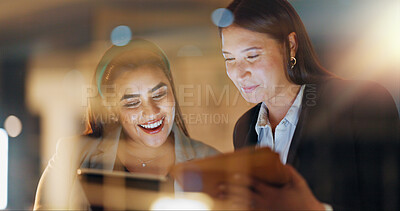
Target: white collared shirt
(284, 131)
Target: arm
(58, 179)
(377, 149)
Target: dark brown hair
(277, 19)
(116, 60)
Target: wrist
(327, 207)
(319, 206)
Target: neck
(134, 149)
(157, 160)
(279, 104)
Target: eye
(132, 104)
(228, 60)
(252, 58)
(159, 95)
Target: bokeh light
(13, 126)
(121, 35)
(3, 168)
(181, 203)
(222, 17)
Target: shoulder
(77, 143)
(354, 88)
(363, 95)
(363, 109)
(249, 114)
(73, 149)
(61, 170)
(247, 117)
(203, 150)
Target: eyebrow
(127, 96)
(247, 49)
(161, 84)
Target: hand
(247, 192)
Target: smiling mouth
(249, 89)
(153, 126)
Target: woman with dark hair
(134, 125)
(339, 137)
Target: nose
(151, 110)
(240, 71)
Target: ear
(292, 38)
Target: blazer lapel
(252, 137)
(309, 101)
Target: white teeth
(153, 125)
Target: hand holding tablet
(206, 174)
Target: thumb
(295, 176)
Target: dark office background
(40, 39)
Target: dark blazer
(346, 144)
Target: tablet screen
(122, 190)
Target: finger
(263, 188)
(238, 202)
(233, 201)
(242, 194)
(256, 185)
(295, 176)
(233, 189)
(241, 179)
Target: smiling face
(146, 105)
(254, 62)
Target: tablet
(206, 174)
(122, 190)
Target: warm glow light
(3, 168)
(187, 201)
(13, 126)
(377, 50)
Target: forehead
(236, 39)
(141, 79)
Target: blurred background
(49, 50)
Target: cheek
(169, 108)
(172, 113)
(261, 73)
(167, 105)
(230, 72)
(130, 116)
(264, 70)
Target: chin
(251, 98)
(154, 140)
(153, 143)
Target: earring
(293, 62)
